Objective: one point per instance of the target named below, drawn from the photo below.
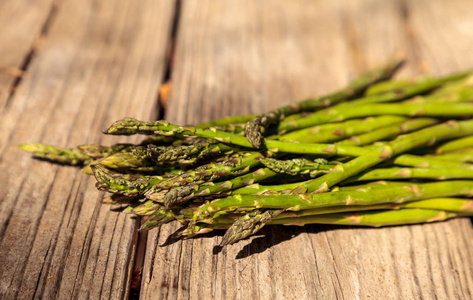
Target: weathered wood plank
(101, 61)
(238, 57)
(21, 24)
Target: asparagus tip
(253, 134)
(248, 225)
(30, 147)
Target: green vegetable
(398, 154)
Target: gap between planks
(137, 268)
(35, 47)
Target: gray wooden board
(237, 57)
(21, 26)
(100, 61)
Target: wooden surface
(23, 26)
(103, 60)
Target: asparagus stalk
(465, 155)
(428, 162)
(238, 165)
(432, 162)
(393, 95)
(409, 160)
(130, 185)
(410, 173)
(132, 126)
(56, 154)
(143, 208)
(443, 110)
(373, 218)
(454, 87)
(464, 95)
(388, 132)
(99, 151)
(126, 161)
(182, 194)
(187, 192)
(396, 194)
(188, 153)
(459, 205)
(244, 227)
(400, 145)
(388, 86)
(417, 88)
(298, 166)
(457, 144)
(285, 189)
(157, 218)
(83, 154)
(347, 129)
(258, 189)
(248, 225)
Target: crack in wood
(23, 68)
(135, 283)
(160, 101)
(409, 32)
(137, 269)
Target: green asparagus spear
(347, 129)
(157, 218)
(57, 154)
(238, 165)
(130, 185)
(447, 204)
(457, 144)
(248, 225)
(442, 110)
(417, 173)
(451, 206)
(188, 153)
(182, 194)
(396, 194)
(429, 162)
(464, 155)
(373, 218)
(99, 151)
(298, 166)
(400, 145)
(388, 132)
(388, 86)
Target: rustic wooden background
(69, 68)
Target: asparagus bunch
(379, 152)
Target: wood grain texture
(101, 61)
(236, 57)
(22, 24)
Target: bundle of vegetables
(379, 152)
